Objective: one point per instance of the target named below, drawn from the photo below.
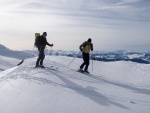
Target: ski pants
(41, 56)
(86, 60)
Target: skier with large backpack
(40, 43)
(86, 47)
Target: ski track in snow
(93, 87)
(72, 74)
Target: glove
(51, 45)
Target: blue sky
(112, 24)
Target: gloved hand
(51, 45)
(81, 49)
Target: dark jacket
(44, 42)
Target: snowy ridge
(122, 87)
(7, 62)
(4, 51)
(6, 72)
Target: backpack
(37, 42)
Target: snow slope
(7, 62)
(4, 51)
(114, 87)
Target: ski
(50, 67)
(83, 72)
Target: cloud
(116, 9)
(110, 21)
(87, 12)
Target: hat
(89, 40)
(44, 33)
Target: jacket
(86, 47)
(44, 42)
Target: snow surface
(4, 51)
(113, 87)
(132, 56)
(7, 62)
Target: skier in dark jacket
(43, 43)
(86, 47)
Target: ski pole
(74, 58)
(92, 60)
(50, 53)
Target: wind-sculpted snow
(7, 62)
(112, 87)
(4, 51)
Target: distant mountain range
(119, 55)
(139, 57)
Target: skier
(41, 47)
(86, 47)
